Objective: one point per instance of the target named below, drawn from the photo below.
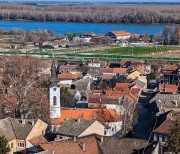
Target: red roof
(102, 115)
(120, 86)
(121, 33)
(69, 76)
(125, 61)
(168, 88)
(38, 140)
(120, 70)
(84, 145)
(165, 127)
(107, 76)
(106, 70)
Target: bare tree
(20, 76)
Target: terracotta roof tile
(106, 70)
(90, 143)
(102, 115)
(168, 88)
(121, 33)
(69, 76)
(38, 140)
(165, 127)
(120, 70)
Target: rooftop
(101, 115)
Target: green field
(136, 50)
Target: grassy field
(136, 50)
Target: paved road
(141, 129)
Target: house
(18, 132)
(82, 39)
(171, 74)
(120, 71)
(94, 63)
(137, 74)
(68, 78)
(106, 71)
(168, 88)
(82, 145)
(127, 62)
(119, 35)
(79, 128)
(166, 102)
(116, 145)
(68, 68)
(108, 117)
(160, 134)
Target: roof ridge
(12, 127)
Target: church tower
(54, 94)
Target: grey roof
(72, 127)
(164, 97)
(142, 84)
(81, 85)
(117, 145)
(13, 128)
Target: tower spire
(54, 79)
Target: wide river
(97, 28)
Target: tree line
(111, 13)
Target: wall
(67, 82)
(15, 145)
(95, 128)
(37, 130)
(115, 128)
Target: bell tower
(54, 93)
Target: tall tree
(177, 35)
(4, 148)
(20, 78)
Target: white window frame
(20, 144)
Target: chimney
(84, 147)
(101, 139)
(53, 152)
(74, 138)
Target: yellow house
(138, 75)
(79, 128)
(18, 132)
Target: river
(97, 28)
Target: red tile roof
(125, 61)
(38, 140)
(106, 70)
(120, 86)
(121, 33)
(107, 76)
(165, 127)
(103, 99)
(120, 70)
(71, 146)
(102, 115)
(170, 68)
(69, 76)
(168, 88)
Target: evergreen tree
(173, 142)
(4, 148)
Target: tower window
(54, 89)
(54, 100)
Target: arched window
(54, 100)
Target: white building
(54, 94)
